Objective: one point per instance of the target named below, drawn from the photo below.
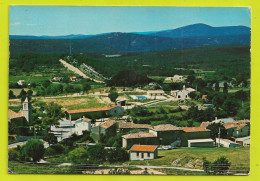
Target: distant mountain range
(120, 43)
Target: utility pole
(218, 137)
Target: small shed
(226, 143)
(143, 152)
(243, 141)
(201, 143)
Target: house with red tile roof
(98, 112)
(191, 133)
(143, 152)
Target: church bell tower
(27, 111)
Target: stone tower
(27, 111)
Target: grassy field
(239, 157)
(15, 79)
(81, 102)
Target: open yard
(192, 157)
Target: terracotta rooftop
(108, 124)
(12, 114)
(204, 96)
(230, 125)
(146, 148)
(132, 125)
(240, 126)
(243, 121)
(204, 124)
(166, 127)
(84, 119)
(194, 129)
(139, 135)
(90, 109)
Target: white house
(175, 78)
(82, 124)
(155, 94)
(226, 143)
(143, 152)
(21, 82)
(243, 141)
(182, 94)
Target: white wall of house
(182, 94)
(81, 126)
(227, 144)
(124, 142)
(246, 142)
(141, 155)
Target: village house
(126, 127)
(167, 133)
(106, 129)
(175, 78)
(155, 94)
(73, 78)
(201, 142)
(190, 133)
(97, 112)
(226, 143)
(82, 124)
(243, 141)
(143, 152)
(236, 129)
(56, 79)
(121, 102)
(129, 140)
(63, 130)
(21, 82)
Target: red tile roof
(90, 109)
(145, 148)
(108, 124)
(166, 127)
(194, 129)
(133, 125)
(243, 121)
(139, 135)
(240, 126)
(230, 125)
(12, 114)
(204, 124)
(204, 96)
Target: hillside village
(117, 127)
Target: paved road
(77, 71)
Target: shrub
(49, 151)
(13, 155)
(78, 155)
(33, 150)
(58, 148)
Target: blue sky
(64, 20)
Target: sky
(65, 20)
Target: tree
(220, 166)
(78, 156)
(217, 86)
(96, 154)
(46, 83)
(113, 96)
(33, 150)
(231, 106)
(29, 93)
(11, 95)
(86, 87)
(214, 130)
(50, 138)
(117, 154)
(22, 93)
(190, 79)
(53, 114)
(241, 95)
(225, 88)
